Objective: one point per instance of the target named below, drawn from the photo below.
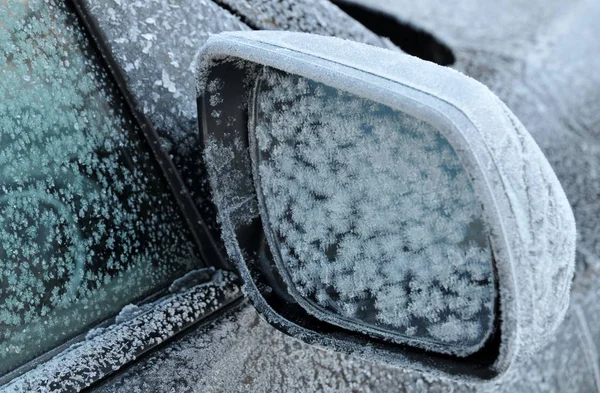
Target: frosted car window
(373, 218)
(87, 222)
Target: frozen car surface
(539, 58)
(242, 353)
(153, 46)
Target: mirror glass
(371, 217)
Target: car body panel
(309, 16)
(539, 58)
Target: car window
(88, 223)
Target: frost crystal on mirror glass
(374, 217)
(87, 222)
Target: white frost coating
(373, 215)
(531, 223)
(191, 278)
(160, 39)
(87, 221)
(242, 353)
(540, 58)
(228, 164)
(309, 16)
(128, 312)
(155, 44)
(113, 347)
(236, 206)
(504, 45)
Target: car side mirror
(383, 206)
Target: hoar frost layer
(87, 222)
(374, 217)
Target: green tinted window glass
(87, 221)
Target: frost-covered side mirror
(381, 205)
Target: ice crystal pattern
(310, 16)
(87, 223)
(106, 350)
(374, 217)
(155, 44)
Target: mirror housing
(529, 220)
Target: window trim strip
(106, 350)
